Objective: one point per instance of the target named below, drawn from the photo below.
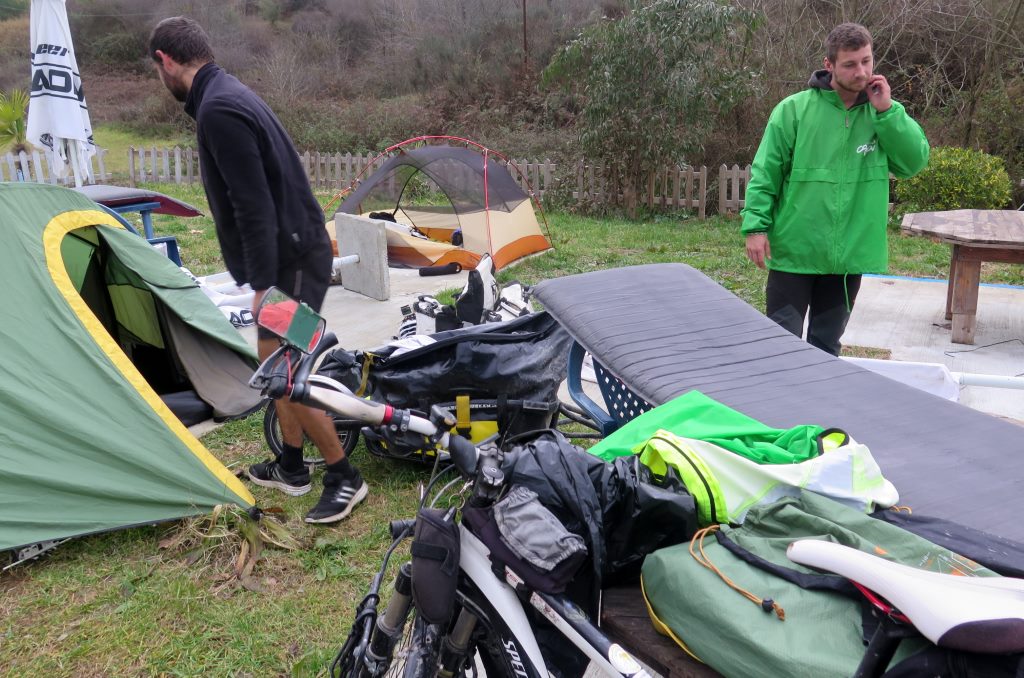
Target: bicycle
(489, 618)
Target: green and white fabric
(726, 485)
(695, 415)
(731, 462)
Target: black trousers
(830, 300)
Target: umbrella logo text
(56, 50)
(57, 81)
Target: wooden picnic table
(974, 236)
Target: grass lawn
(116, 141)
(160, 601)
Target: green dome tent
(86, 443)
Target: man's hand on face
(758, 250)
(879, 93)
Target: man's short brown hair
(182, 39)
(848, 37)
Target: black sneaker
(339, 498)
(270, 474)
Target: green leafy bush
(956, 178)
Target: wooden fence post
(40, 170)
(724, 176)
(702, 185)
(11, 168)
(100, 155)
(732, 182)
(549, 170)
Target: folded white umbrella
(58, 118)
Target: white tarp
(58, 118)
(931, 377)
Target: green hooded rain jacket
(819, 183)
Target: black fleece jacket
(266, 215)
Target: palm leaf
(13, 107)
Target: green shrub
(956, 178)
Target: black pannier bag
(620, 509)
(509, 372)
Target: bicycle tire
(412, 657)
(416, 655)
(348, 434)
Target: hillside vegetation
(355, 75)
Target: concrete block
(367, 239)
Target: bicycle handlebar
(327, 394)
(305, 367)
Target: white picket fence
(35, 167)
(672, 187)
(732, 188)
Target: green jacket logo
(864, 149)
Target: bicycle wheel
(348, 434)
(416, 654)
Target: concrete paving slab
(907, 316)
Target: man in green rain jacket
(817, 202)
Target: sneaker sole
(357, 498)
(290, 490)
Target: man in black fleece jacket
(271, 233)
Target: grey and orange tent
(432, 191)
(96, 322)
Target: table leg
(147, 223)
(954, 252)
(965, 301)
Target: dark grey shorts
(306, 280)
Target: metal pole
(994, 380)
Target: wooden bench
(624, 619)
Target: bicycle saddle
(973, 614)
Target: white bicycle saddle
(973, 614)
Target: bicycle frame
(499, 603)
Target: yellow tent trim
(661, 627)
(53, 235)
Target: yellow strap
(365, 377)
(661, 627)
(462, 422)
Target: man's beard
(852, 86)
(178, 90)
